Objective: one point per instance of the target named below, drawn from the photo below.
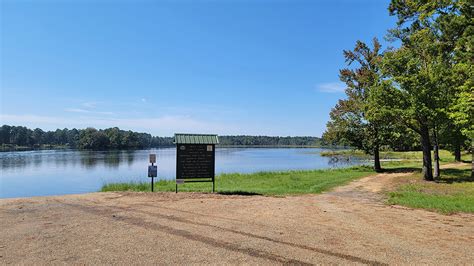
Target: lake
(57, 172)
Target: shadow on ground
(452, 175)
(239, 192)
(401, 170)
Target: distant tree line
(115, 138)
(419, 95)
(269, 141)
(89, 138)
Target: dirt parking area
(349, 225)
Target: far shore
(12, 148)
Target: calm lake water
(57, 172)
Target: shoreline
(21, 149)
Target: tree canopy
(424, 87)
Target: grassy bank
(264, 183)
(444, 155)
(454, 192)
(12, 147)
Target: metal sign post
(152, 169)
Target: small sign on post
(152, 169)
(152, 158)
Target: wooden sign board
(195, 161)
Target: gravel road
(349, 225)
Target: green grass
(404, 165)
(262, 183)
(444, 155)
(454, 192)
(13, 147)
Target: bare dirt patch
(348, 225)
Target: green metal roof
(195, 139)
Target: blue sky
(226, 67)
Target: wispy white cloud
(88, 108)
(163, 125)
(84, 111)
(331, 87)
(31, 120)
(76, 110)
(90, 105)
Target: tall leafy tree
(423, 68)
(412, 70)
(5, 132)
(20, 136)
(37, 136)
(458, 29)
(353, 120)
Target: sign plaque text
(195, 161)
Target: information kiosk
(195, 158)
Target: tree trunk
(426, 146)
(436, 154)
(436, 158)
(472, 153)
(377, 166)
(457, 152)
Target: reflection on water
(53, 172)
(87, 159)
(113, 159)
